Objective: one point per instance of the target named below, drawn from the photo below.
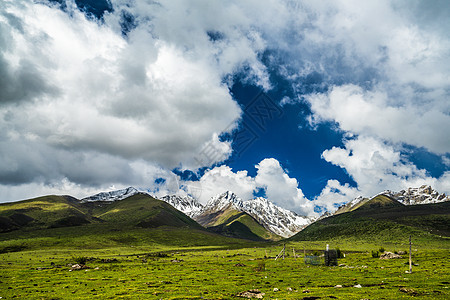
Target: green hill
(234, 223)
(43, 212)
(240, 224)
(140, 210)
(65, 222)
(382, 218)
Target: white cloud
(271, 177)
(335, 194)
(375, 166)
(76, 94)
(370, 113)
(75, 87)
(222, 179)
(280, 188)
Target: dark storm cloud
(22, 80)
(23, 83)
(28, 161)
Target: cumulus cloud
(370, 113)
(382, 65)
(270, 177)
(79, 93)
(222, 179)
(375, 166)
(94, 102)
(280, 188)
(335, 194)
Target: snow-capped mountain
(345, 207)
(223, 201)
(422, 195)
(112, 196)
(277, 220)
(412, 196)
(187, 204)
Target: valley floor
(208, 273)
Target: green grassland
(202, 272)
(142, 248)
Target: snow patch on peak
(278, 220)
(414, 196)
(186, 204)
(112, 196)
(223, 201)
(411, 196)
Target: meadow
(149, 270)
(142, 248)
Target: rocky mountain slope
(187, 204)
(412, 196)
(112, 196)
(224, 214)
(277, 220)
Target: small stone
(251, 294)
(389, 255)
(358, 286)
(338, 286)
(275, 289)
(289, 289)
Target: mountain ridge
(382, 218)
(424, 194)
(277, 220)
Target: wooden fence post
(410, 260)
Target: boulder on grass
(251, 294)
(389, 255)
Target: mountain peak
(223, 201)
(380, 201)
(421, 195)
(112, 195)
(278, 220)
(186, 204)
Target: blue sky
(307, 103)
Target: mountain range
(268, 221)
(276, 220)
(412, 196)
(382, 219)
(225, 214)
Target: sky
(307, 103)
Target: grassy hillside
(239, 224)
(234, 223)
(383, 219)
(43, 212)
(141, 210)
(64, 222)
